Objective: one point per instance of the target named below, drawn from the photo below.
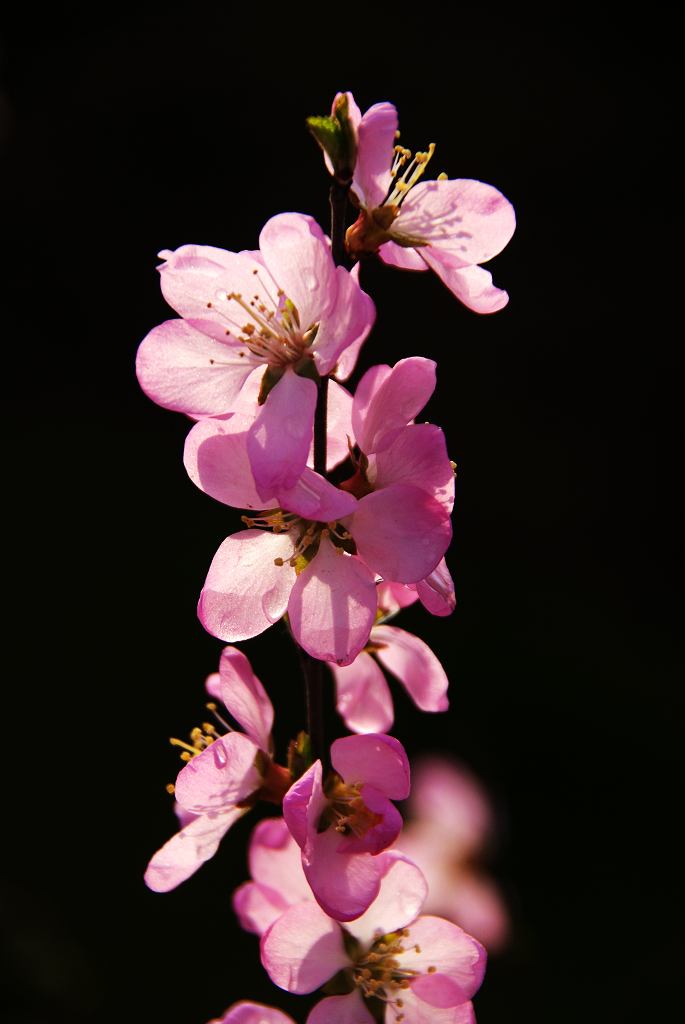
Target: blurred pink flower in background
(450, 822)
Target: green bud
(336, 135)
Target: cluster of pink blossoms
(256, 357)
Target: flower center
(346, 811)
(379, 973)
(306, 535)
(201, 737)
(268, 325)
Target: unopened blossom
(421, 968)
(343, 819)
(285, 307)
(450, 822)
(449, 226)
(223, 776)
(363, 695)
(315, 550)
(253, 1013)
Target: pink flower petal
(402, 893)
(196, 281)
(458, 959)
(256, 906)
(397, 256)
(332, 605)
(376, 759)
(276, 862)
(348, 323)
(303, 949)
(401, 532)
(180, 368)
(254, 1013)
(298, 256)
(183, 854)
(349, 1009)
(216, 460)
(418, 456)
(221, 776)
(417, 1012)
(344, 885)
(390, 401)
(315, 498)
(305, 793)
(469, 219)
(245, 697)
(414, 664)
(394, 596)
(245, 592)
(448, 796)
(348, 357)
(376, 143)
(436, 591)
(472, 285)
(363, 697)
(474, 902)
(278, 441)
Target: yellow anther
(171, 789)
(278, 561)
(431, 969)
(185, 756)
(211, 706)
(248, 329)
(442, 176)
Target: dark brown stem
(312, 668)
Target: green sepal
(306, 367)
(336, 135)
(271, 377)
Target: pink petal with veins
(181, 368)
(472, 285)
(390, 401)
(401, 532)
(363, 697)
(332, 605)
(245, 592)
(183, 854)
(298, 256)
(244, 697)
(469, 219)
(303, 949)
(418, 456)
(376, 759)
(221, 776)
(376, 143)
(414, 664)
(278, 441)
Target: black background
(560, 411)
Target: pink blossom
(341, 822)
(223, 775)
(420, 967)
(363, 696)
(253, 1013)
(450, 823)
(324, 548)
(286, 307)
(450, 226)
